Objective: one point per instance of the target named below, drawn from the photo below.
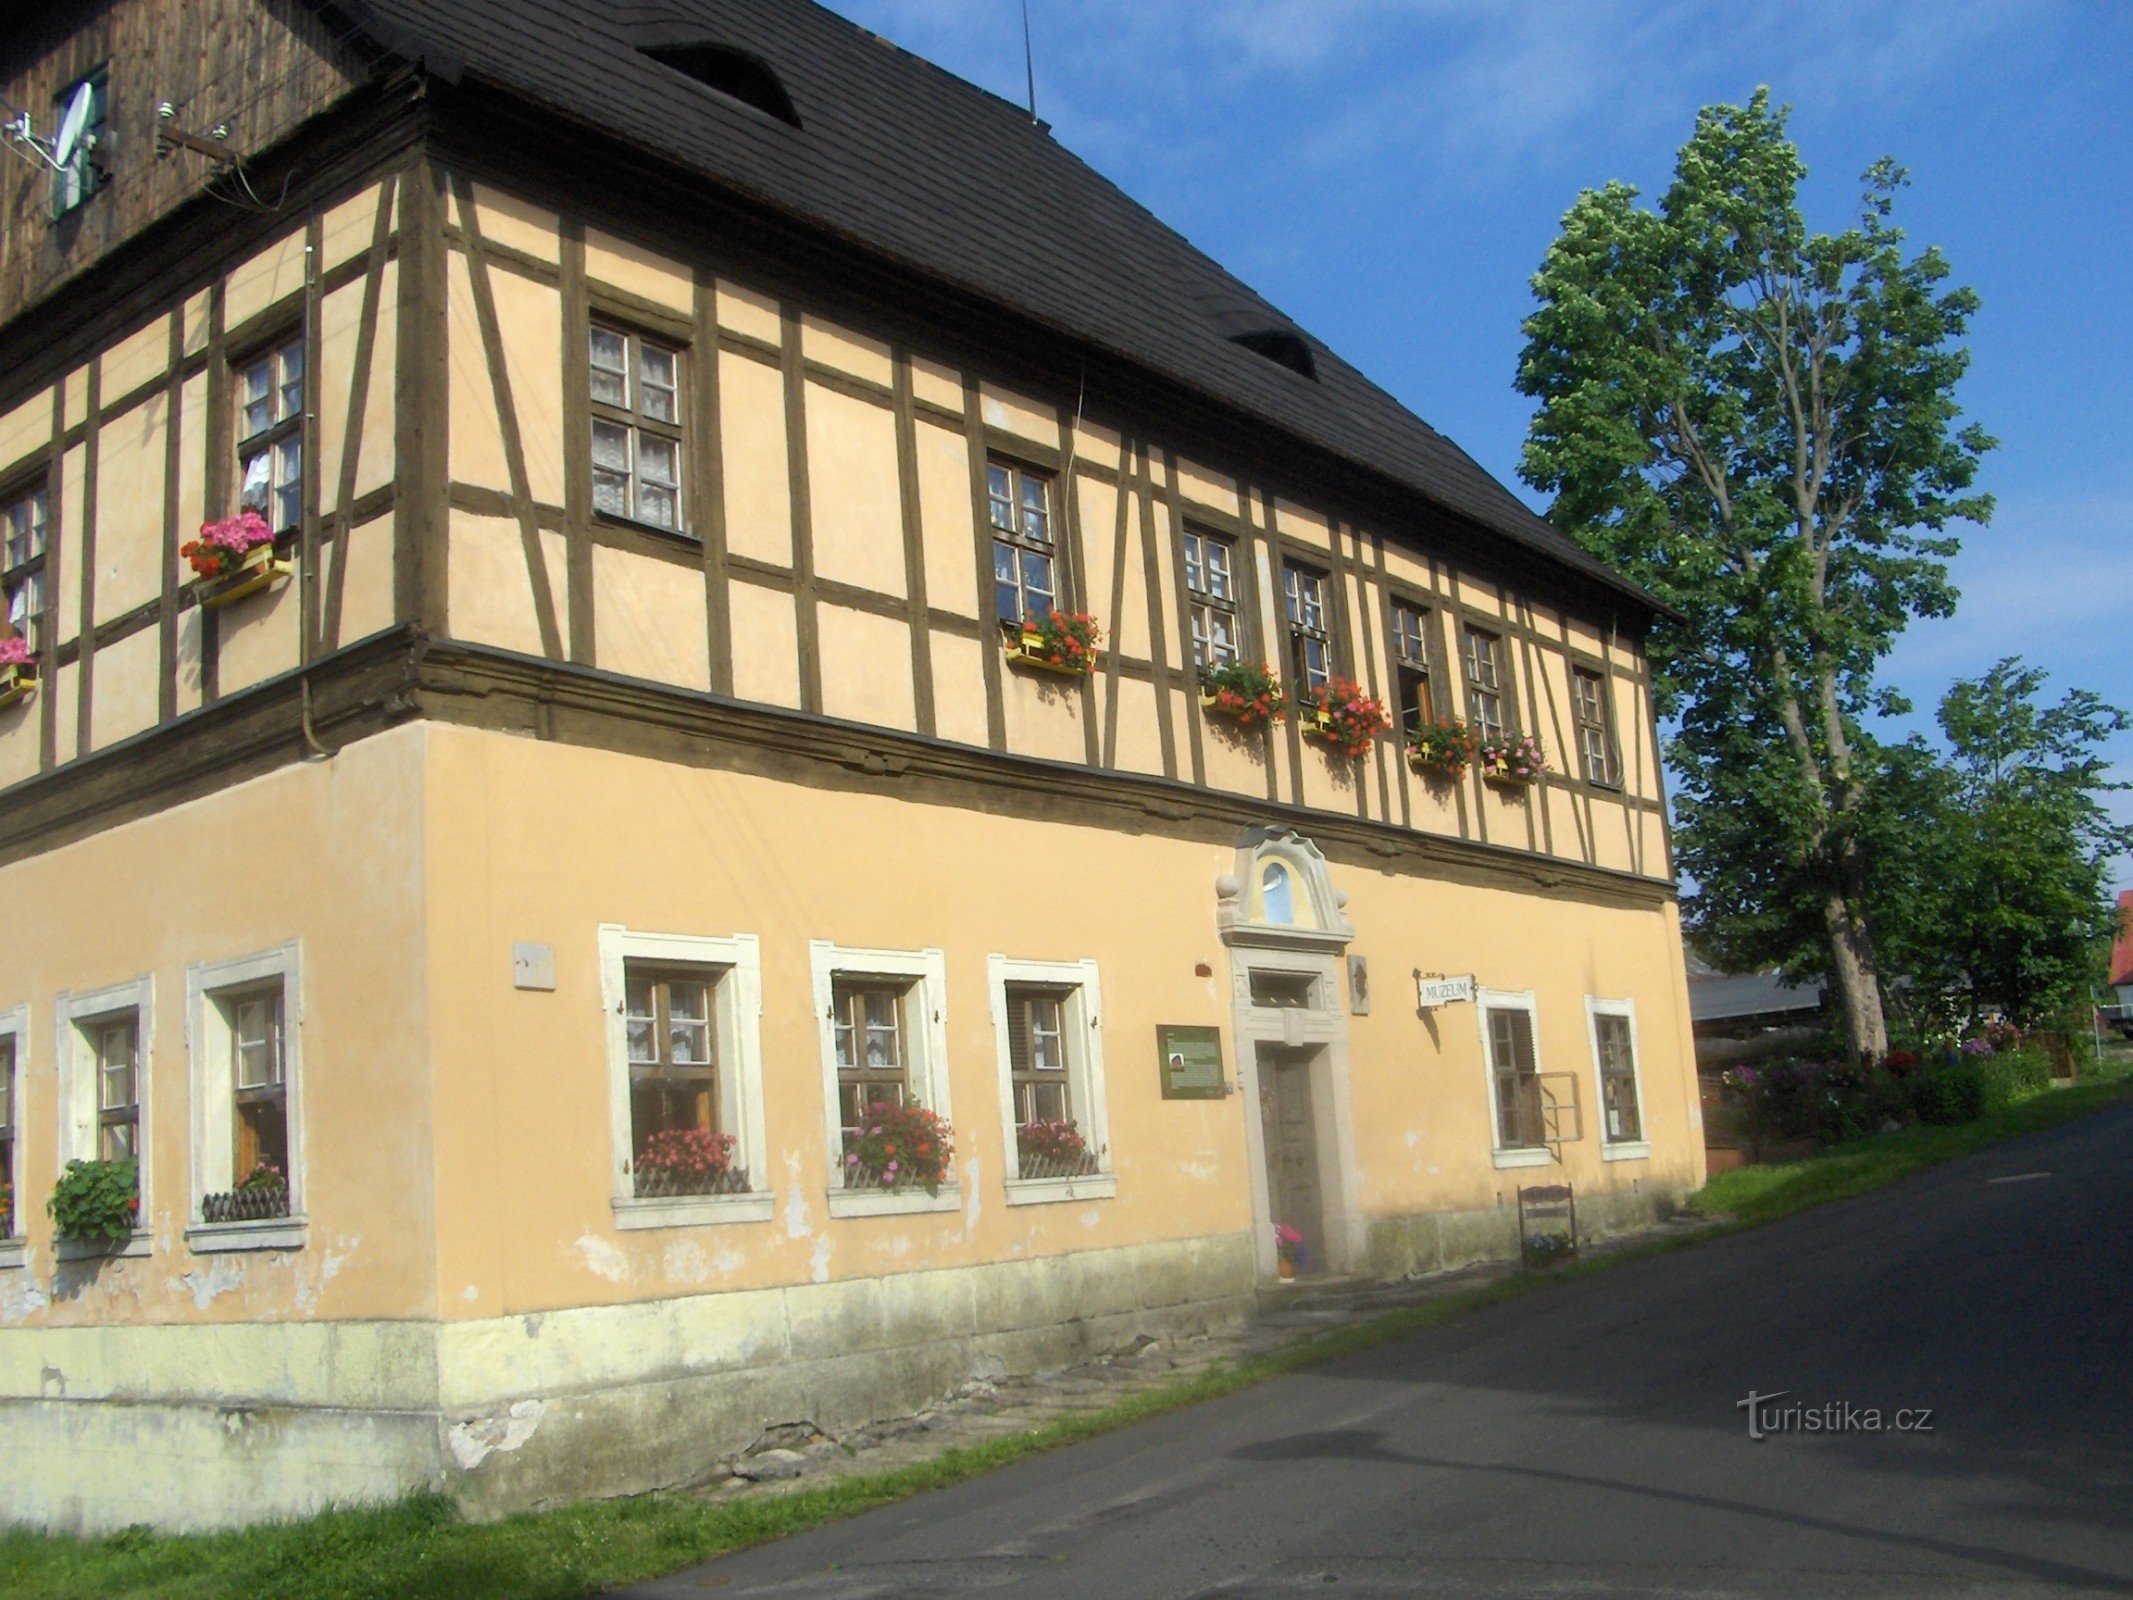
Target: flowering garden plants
(97, 1202)
(1511, 759)
(1344, 716)
(1050, 1149)
(1443, 749)
(688, 1161)
(1246, 692)
(234, 558)
(1064, 642)
(18, 670)
(898, 1147)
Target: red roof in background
(2122, 951)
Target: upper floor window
(1410, 660)
(1596, 744)
(636, 427)
(1303, 595)
(24, 527)
(7, 1134)
(81, 174)
(1211, 592)
(1025, 566)
(1485, 682)
(270, 434)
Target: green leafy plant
(97, 1202)
(1443, 749)
(1246, 692)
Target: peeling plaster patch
(603, 1258)
(20, 1294)
(329, 1268)
(819, 1262)
(52, 1380)
(532, 1324)
(470, 1293)
(1201, 1171)
(474, 1442)
(727, 1259)
(1414, 1138)
(1091, 1217)
(796, 1223)
(973, 1170)
(225, 1276)
(685, 1260)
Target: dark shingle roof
(908, 161)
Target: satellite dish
(72, 124)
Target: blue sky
(1390, 172)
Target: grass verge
(418, 1549)
(1763, 1194)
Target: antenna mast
(1029, 62)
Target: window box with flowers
(18, 671)
(687, 1161)
(96, 1206)
(898, 1147)
(1051, 1150)
(1515, 762)
(1244, 692)
(235, 558)
(1443, 750)
(1061, 642)
(1342, 716)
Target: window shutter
(1017, 1031)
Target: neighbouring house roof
(2122, 950)
(907, 161)
(1729, 997)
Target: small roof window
(733, 73)
(1283, 346)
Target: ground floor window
(888, 1123)
(242, 1041)
(104, 1040)
(1047, 1016)
(1514, 1071)
(685, 1071)
(1614, 1053)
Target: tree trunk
(1855, 980)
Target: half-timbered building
(596, 772)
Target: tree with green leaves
(1759, 424)
(2011, 849)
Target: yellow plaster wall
(258, 637)
(340, 328)
(766, 645)
(946, 518)
(492, 585)
(752, 452)
(331, 854)
(959, 687)
(140, 357)
(866, 667)
(129, 507)
(636, 270)
(855, 501)
(649, 619)
(367, 588)
(848, 352)
(127, 672)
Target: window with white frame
(1595, 725)
(1486, 699)
(1507, 1031)
(25, 526)
(105, 1056)
(1047, 1023)
(242, 1030)
(636, 427)
(1025, 564)
(685, 1062)
(883, 1024)
(1303, 599)
(1614, 1054)
(1211, 596)
(270, 434)
(12, 1051)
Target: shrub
(97, 1202)
(1944, 1096)
(1888, 1098)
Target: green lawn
(420, 1550)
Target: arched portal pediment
(1279, 894)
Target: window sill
(1047, 1191)
(615, 519)
(13, 1252)
(1627, 1150)
(892, 1202)
(271, 1233)
(1536, 1157)
(141, 1244)
(691, 1210)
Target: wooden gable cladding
(836, 557)
(257, 67)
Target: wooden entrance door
(1291, 1146)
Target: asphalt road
(1589, 1440)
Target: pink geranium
(16, 652)
(222, 545)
